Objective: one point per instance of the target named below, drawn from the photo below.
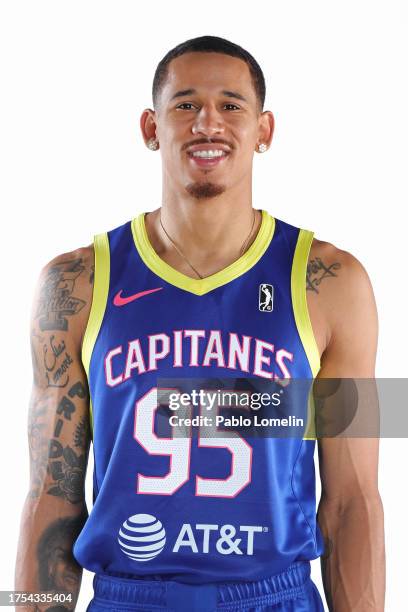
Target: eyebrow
(225, 92)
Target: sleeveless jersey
(196, 509)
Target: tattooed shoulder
(60, 312)
(64, 289)
(324, 265)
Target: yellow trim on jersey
(200, 286)
(99, 299)
(302, 318)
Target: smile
(208, 154)
(208, 157)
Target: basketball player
(205, 285)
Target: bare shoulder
(63, 293)
(338, 289)
(326, 261)
(84, 255)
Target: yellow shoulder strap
(302, 318)
(99, 300)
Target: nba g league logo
(265, 297)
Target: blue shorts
(290, 591)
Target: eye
(185, 104)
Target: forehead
(208, 73)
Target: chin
(205, 190)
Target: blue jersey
(202, 508)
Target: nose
(208, 122)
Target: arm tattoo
(38, 445)
(67, 471)
(317, 271)
(56, 300)
(55, 368)
(67, 468)
(35, 359)
(59, 465)
(58, 569)
(82, 433)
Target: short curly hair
(210, 44)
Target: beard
(200, 191)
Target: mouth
(208, 158)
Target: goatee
(204, 190)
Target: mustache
(201, 141)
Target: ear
(266, 127)
(148, 124)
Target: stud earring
(262, 147)
(153, 144)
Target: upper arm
(58, 420)
(351, 315)
(349, 465)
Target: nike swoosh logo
(118, 300)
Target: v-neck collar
(200, 286)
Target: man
(207, 286)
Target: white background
(75, 77)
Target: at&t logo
(142, 537)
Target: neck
(210, 233)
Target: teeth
(208, 154)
